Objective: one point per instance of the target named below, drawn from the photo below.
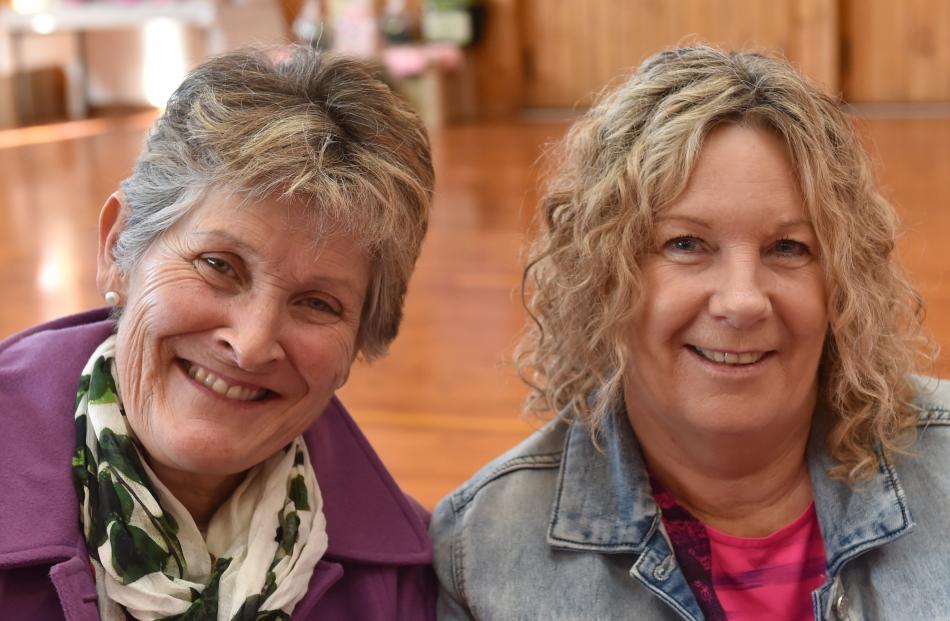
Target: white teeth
(750, 357)
(723, 357)
(220, 386)
(215, 383)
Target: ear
(111, 222)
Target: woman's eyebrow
(667, 218)
(784, 224)
(336, 283)
(797, 222)
(229, 239)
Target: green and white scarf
(149, 556)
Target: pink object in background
(404, 61)
(354, 27)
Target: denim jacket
(555, 529)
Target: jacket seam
(540, 461)
(614, 548)
(458, 562)
(851, 552)
(818, 598)
(933, 414)
(672, 602)
(558, 494)
(848, 553)
(37, 555)
(623, 547)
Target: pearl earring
(112, 298)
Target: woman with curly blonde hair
(730, 346)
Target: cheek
(155, 313)
(805, 310)
(326, 360)
(136, 357)
(670, 302)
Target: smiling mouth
(745, 358)
(222, 387)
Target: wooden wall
(497, 60)
(573, 48)
(558, 53)
(896, 50)
(564, 51)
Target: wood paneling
(497, 61)
(574, 48)
(896, 51)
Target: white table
(81, 18)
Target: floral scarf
(149, 557)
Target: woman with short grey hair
(264, 240)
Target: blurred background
(495, 81)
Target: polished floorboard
(446, 399)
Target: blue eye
(684, 244)
(791, 248)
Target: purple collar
(368, 518)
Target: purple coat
(377, 566)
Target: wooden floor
(446, 400)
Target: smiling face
(237, 329)
(731, 325)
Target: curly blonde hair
(629, 157)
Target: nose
(251, 339)
(738, 298)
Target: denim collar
(603, 500)
(859, 518)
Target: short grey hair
(292, 124)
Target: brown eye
(218, 265)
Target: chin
(724, 414)
(208, 452)
(731, 425)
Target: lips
(730, 358)
(221, 386)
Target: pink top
(744, 578)
(769, 577)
